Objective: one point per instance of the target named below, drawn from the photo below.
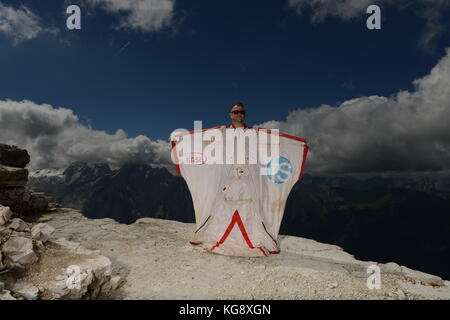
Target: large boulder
(13, 177)
(39, 201)
(13, 157)
(19, 250)
(18, 225)
(23, 201)
(13, 180)
(42, 232)
(14, 195)
(26, 289)
(75, 272)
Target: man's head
(237, 114)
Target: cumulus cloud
(144, 15)
(21, 24)
(408, 131)
(433, 11)
(54, 137)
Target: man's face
(238, 117)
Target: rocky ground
(32, 265)
(154, 260)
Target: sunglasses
(238, 111)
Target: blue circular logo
(281, 174)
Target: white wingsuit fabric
(238, 211)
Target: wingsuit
(238, 210)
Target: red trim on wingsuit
(237, 219)
(305, 152)
(177, 161)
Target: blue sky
(367, 101)
(259, 52)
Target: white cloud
(144, 15)
(21, 24)
(406, 132)
(430, 10)
(54, 137)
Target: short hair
(239, 104)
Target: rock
(19, 250)
(88, 278)
(27, 290)
(5, 215)
(6, 295)
(70, 288)
(13, 156)
(20, 234)
(2, 266)
(39, 201)
(422, 277)
(40, 245)
(83, 281)
(400, 294)
(42, 232)
(18, 225)
(13, 177)
(4, 231)
(13, 197)
(111, 286)
(391, 267)
(23, 201)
